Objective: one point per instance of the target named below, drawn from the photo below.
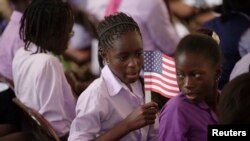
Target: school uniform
(10, 42)
(182, 120)
(152, 16)
(106, 102)
(40, 83)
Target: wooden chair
(41, 128)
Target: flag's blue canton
(152, 61)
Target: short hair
(234, 102)
(44, 21)
(197, 43)
(112, 27)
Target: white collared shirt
(105, 103)
(40, 83)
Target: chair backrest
(41, 128)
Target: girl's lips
(191, 96)
(132, 75)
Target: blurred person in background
(230, 26)
(10, 42)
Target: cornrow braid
(112, 28)
(44, 21)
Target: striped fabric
(160, 74)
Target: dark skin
(197, 78)
(125, 59)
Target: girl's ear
(218, 72)
(103, 53)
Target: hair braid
(46, 23)
(112, 28)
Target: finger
(150, 105)
(150, 117)
(150, 122)
(151, 111)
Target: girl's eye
(197, 75)
(123, 58)
(139, 54)
(179, 76)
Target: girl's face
(196, 76)
(125, 58)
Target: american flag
(160, 74)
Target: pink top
(9, 43)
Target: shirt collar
(203, 105)
(112, 82)
(115, 85)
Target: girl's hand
(141, 116)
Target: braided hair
(112, 28)
(47, 24)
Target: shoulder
(46, 61)
(177, 100)
(96, 91)
(45, 58)
(177, 103)
(95, 99)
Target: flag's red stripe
(168, 57)
(163, 76)
(165, 79)
(167, 70)
(168, 64)
(170, 82)
(164, 82)
(159, 85)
